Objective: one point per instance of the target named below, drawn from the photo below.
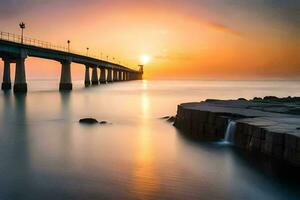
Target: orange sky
(205, 39)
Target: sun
(145, 59)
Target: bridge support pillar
(95, 76)
(87, 81)
(65, 77)
(20, 85)
(140, 76)
(118, 75)
(129, 77)
(124, 76)
(115, 75)
(109, 75)
(6, 84)
(121, 75)
(102, 75)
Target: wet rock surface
(170, 119)
(91, 121)
(88, 121)
(264, 125)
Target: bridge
(15, 49)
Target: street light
(87, 51)
(22, 26)
(69, 45)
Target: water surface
(46, 154)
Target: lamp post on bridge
(87, 51)
(22, 26)
(69, 45)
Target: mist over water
(46, 154)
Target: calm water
(46, 154)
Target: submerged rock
(271, 98)
(257, 99)
(88, 121)
(166, 117)
(171, 119)
(242, 99)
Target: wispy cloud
(176, 56)
(223, 28)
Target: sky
(185, 39)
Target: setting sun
(145, 59)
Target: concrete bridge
(14, 49)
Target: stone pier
(65, 78)
(102, 76)
(270, 127)
(95, 80)
(87, 80)
(6, 84)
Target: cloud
(176, 56)
(223, 28)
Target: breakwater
(270, 127)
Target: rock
(271, 98)
(88, 121)
(211, 100)
(295, 111)
(242, 99)
(269, 127)
(171, 119)
(103, 122)
(257, 99)
(166, 117)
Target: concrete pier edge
(206, 124)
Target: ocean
(46, 154)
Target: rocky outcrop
(261, 127)
(88, 121)
(278, 144)
(201, 124)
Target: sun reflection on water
(145, 181)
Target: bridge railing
(39, 43)
(30, 41)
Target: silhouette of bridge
(15, 49)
